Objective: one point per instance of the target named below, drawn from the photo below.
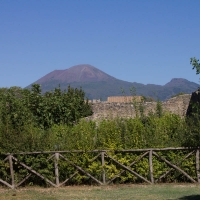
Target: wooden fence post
(103, 170)
(197, 166)
(56, 168)
(11, 171)
(151, 166)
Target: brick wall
(124, 99)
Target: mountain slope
(78, 73)
(99, 85)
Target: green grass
(116, 192)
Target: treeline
(27, 115)
(32, 121)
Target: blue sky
(144, 41)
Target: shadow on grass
(191, 197)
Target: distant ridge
(177, 82)
(99, 85)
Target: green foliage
(159, 110)
(196, 65)
(26, 116)
(179, 94)
(25, 132)
(59, 107)
(192, 134)
(147, 99)
(30, 121)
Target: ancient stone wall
(109, 110)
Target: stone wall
(109, 110)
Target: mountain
(78, 73)
(99, 85)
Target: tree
(19, 106)
(194, 106)
(196, 65)
(193, 112)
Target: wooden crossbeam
(27, 177)
(167, 172)
(52, 156)
(122, 171)
(128, 169)
(33, 171)
(80, 169)
(7, 184)
(98, 151)
(6, 158)
(76, 172)
(175, 167)
(93, 159)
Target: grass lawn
(116, 192)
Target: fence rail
(14, 161)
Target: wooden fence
(13, 160)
